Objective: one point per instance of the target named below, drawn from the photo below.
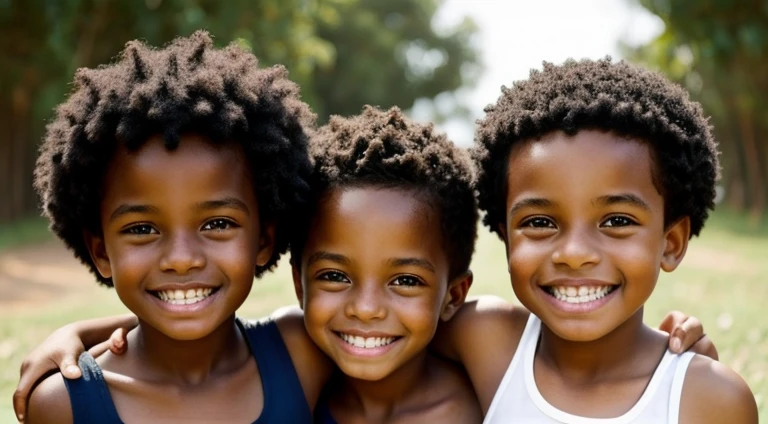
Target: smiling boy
(595, 175)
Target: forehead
(195, 167)
(377, 220)
(587, 164)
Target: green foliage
(718, 49)
(343, 53)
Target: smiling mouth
(366, 342)
(580, 294)
(184, 297)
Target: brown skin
(374, 265)
(474, 325)
(586, 208)
(177, 220)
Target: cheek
(419, 314)
(525, 256)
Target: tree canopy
(719, 50)
(343, 53)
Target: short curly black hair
(386, 149)
(617, 97)
(189, 86)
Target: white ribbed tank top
(517, 400)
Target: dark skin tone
(374, 284)
(181, 222)
(313, 367)
(584, 211)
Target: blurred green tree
(343, 53)
(718, 50)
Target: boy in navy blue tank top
(172, 174)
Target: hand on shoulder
(49, 402)
(714, 393)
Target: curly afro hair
(618, 97)
(386, 149)
(187, 87)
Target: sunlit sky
(517, 35)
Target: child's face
(374, 279)
(585, 231)
(181, 234)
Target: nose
(577, 248)
(366, 303)
(182, 254)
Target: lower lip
(365, 352)
(186, 308)
(580, 308)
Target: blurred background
(441, 61)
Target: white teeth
(367, 342)
(182, 297)
(581, 294)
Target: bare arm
(60, 352)
(49, 403)
(312, 366)
(713, 393)
(483, 337)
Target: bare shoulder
(482, 336)
(713, 393)
(311, 364)
(456, 399)
(49, 402)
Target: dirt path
(40, 273)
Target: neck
(189, 362)
(382, 397)
(616, 352)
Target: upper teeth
(184, 297)
(366, 342)
(581, 294)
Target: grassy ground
(722, 281)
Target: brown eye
(407, 281)
(619, 221)
(139, 230)
(219, 224)
(538, 222)
(333, 276)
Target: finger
(672, 320)
(20, 398)
(99, 349)
(69, 368)
(118, 341)
(706, 347)
(688, 333)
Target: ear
(297, 286)
(98, 251)
(455, 295)
(266, 244)
(675, 244)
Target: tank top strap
(89, 395)
(284, 400)
(676, 392)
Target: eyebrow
(128, 209)
(227, 202)
(327, 256)
(539, 202)
(422, 263)
(626, 198)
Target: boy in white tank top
(595, 175)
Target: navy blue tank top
(284, 400)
